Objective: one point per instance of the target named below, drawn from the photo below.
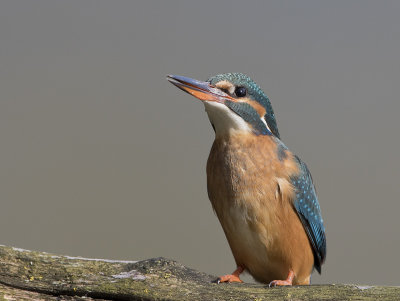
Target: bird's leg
(288, 280)
(234, 277)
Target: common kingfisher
(262, 194)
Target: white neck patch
(224, 120)
(265, 122)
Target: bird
(262, 193)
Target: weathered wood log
(29, 275)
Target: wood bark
(30, 275)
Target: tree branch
(29, 275)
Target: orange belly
(252, 197)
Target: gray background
(102, 157)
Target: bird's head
(233, 102)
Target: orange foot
(234, 277)
(288, 281)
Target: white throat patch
(224, 120)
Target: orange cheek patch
(225, 85)
(259, 108)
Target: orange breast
(250, 191)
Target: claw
(288, 281)
(279, 283)
(234, 277)
(229, 279)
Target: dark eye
(240, 91)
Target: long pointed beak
(201, 90)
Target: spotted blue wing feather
(309, 212)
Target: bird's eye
(240, 91)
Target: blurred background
(102, 157)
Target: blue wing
(307, 207)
